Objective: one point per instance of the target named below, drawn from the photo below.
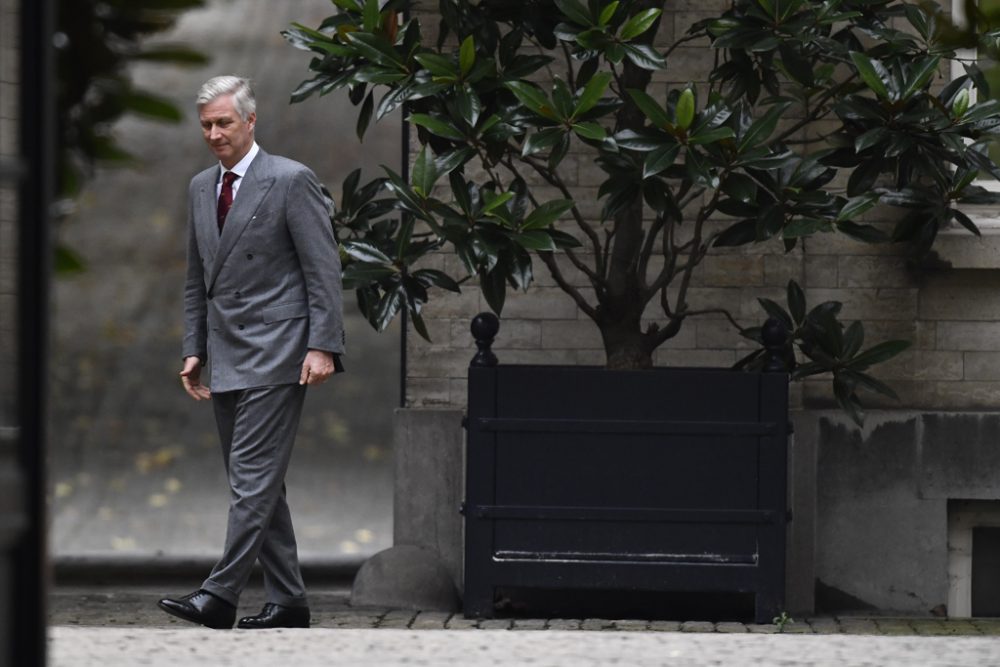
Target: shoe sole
(242, 626)
(191, 619)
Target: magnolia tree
(814, 114)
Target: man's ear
(252, 120)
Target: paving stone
(495, 624)
(894, 626)
(430, 620)
(763, 629)
(529, 624)
(347, 620)
(665, 626)
(459, 622)
(397, 619)
(824, 626)
(731, 627)
(631, 625)
(858, 626)
(597, 624)
(794, 627)
(564, 624)
(697, 626)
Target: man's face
(229, 136)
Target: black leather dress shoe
(276, 616)
(201, 607)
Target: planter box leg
(767, 606)
(478, 600)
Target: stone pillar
(800, 559)
(423, 568)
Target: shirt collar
(241, 167)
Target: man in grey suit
(262, 307)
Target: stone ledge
(958, 249)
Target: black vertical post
(480, 457)
(33, 260)
(772, 485)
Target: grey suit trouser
(257, 429)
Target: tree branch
(549, 259)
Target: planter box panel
(599, 470)
(558, 392)
(625, 541)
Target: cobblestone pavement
(123, 627)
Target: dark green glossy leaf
(542, 140)
(796, 301)
(638, 24)
(437, 126)
(467, 55)
(591, 93)
(855, 206)
(921, 76)
(592, 131)
(365, 115)
(660, 159)
(376, 49)
(533, 98)
(437, 278)
(866, 68)
(417, 320)
(437, 64)
(684, 111)
(642, 55)
(965, 221)
(574, 11)
(535, 240)
(880, 353)
(775, 310)
(365, 252)
(650, 107)
(360, 274)
(741, 233)
(546, 214)
(494, 287)
(762, 128)
(388, 307)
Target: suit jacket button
(241, 327)
(249, 256)
(238, 295)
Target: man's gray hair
(239, 87)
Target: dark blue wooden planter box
(658, 480)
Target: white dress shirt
(240, 169)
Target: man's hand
(317, 367)
(191, 379)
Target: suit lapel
(255, 186)
(207, 226)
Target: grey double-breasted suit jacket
(267, 289)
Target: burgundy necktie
(226, 197)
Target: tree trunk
(626, 346)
